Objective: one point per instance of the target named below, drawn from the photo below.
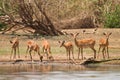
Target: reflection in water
(56, 71)
(43, 68)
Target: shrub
(112, 19)
(2, 25)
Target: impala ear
(71, 34)
(63, 42)
(110, 33)
(95, 29)
(104, 33)
(84, 31)
(11, 41)
(59, 41)
(77, 34)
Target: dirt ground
(60, 53)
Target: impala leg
(18, 53)
(108, 53)
(27, 51)
(78, 52)
(98, 51)
(72, 53)
(11, 53)
(30, 55)
(49, 51)
(41, 57)
(14, 52)
(82, 53)
(43, 49)
(94, 52)
(103, 52)
(47, 55)
(69, 54)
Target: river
(58, 71)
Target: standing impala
(33, 46)
(15, 47)
(82, 43)
(104, 43)
(69, 48)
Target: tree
(30, 13)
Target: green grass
(55, 48)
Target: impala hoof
(41, 58)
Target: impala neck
(76, 42)
(64, 46)
(107, 41)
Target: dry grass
(60, 53)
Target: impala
(104, 43)
(90, 32)
(69, 48)
(33, 46)
(15, 47)
(82, 43)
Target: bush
(2, 25)
(112, 19)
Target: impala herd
(32, 46)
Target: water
(57, 71)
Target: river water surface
(57, 71)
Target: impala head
(74, 35)
(107, 35)
(95, 29)
(51, 58)
(84, 31)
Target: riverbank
(111, 61)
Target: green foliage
(2, 25)
(112, 19)
(103, 12)
(2, 13)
